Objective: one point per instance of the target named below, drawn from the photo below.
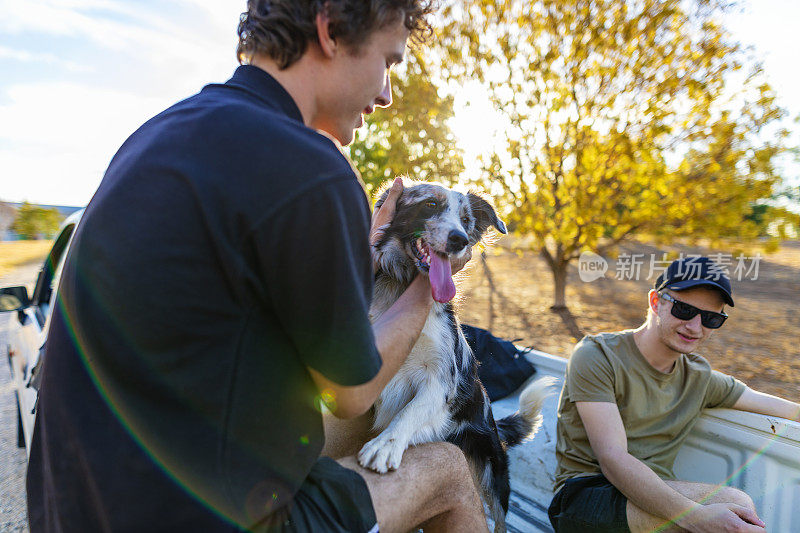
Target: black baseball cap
(695, 271)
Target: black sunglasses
(684, 311)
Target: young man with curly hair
(217, 292)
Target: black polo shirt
(224, 253)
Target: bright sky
(78, 76)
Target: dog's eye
(465, 220)
(432, 204)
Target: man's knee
(706, 493)
(448, 456)
(450, 465)
(446, 453)
(733, 495)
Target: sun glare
(477, 125)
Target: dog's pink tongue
(441, 277)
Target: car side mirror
(14, 299)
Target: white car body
(27, 330)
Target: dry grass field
(759, 344)
(17, 253)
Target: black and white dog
(436, 395)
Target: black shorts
(589, 503)
(332, 499)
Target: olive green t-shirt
(658, 409)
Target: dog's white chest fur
(413, 407)
(430, 365)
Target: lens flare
(727, 482)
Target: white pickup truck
(755, 453)
(758, 454)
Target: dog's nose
(456, 241)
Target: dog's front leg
(423, 419)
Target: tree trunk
(559, 270)
(558, 267)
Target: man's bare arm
(767, 404)
(640, 484)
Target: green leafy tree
(624, 117)
(411, 137)
(34, 222)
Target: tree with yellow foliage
(624, 117)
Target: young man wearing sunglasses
(629, 401)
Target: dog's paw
(381, 454)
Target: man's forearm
(787, 409)
(397, 330)
(645, 489)
(767, 404)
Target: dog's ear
(484, 217)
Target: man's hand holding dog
(382, 217)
